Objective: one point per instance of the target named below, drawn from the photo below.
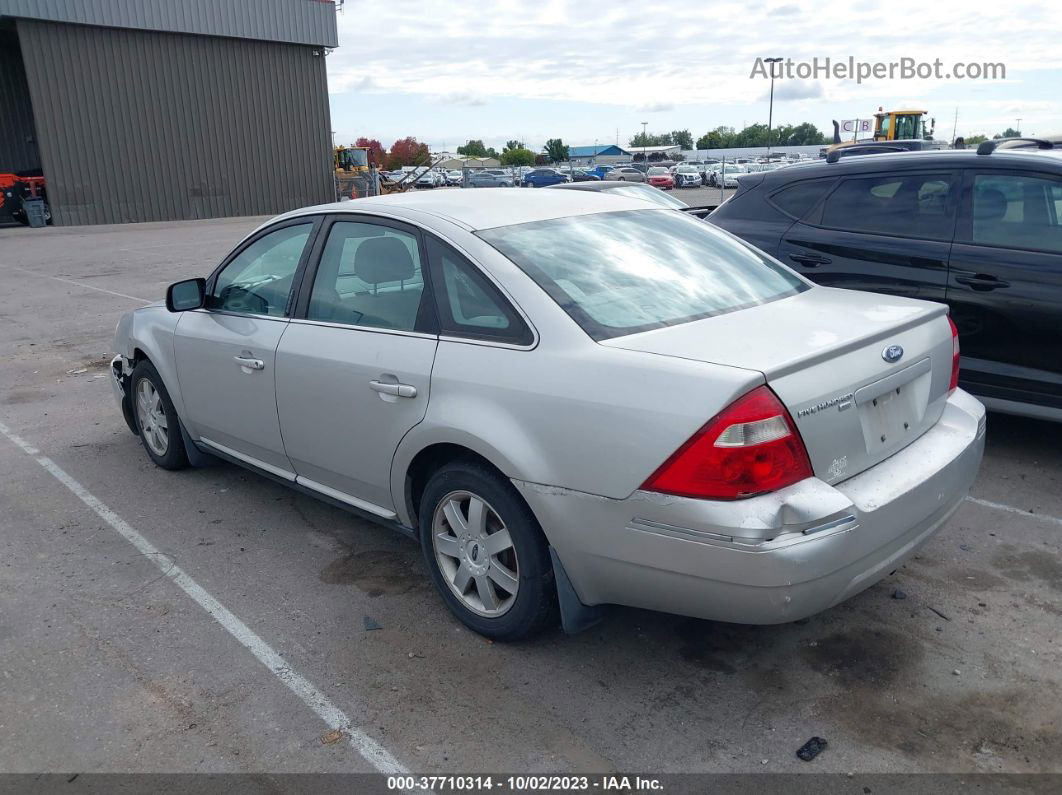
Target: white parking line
(374, 753)
(1011, 509)
(79, 284)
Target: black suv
(979, 232)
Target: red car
(660, 177)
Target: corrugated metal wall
(295, 21)
(18, 144)
(141, 126)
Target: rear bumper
(769, 559)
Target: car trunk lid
(826, 354)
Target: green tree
(517, 156)
(514, 145)
(1010, 132)
(682, 138)
(753, 135)
(474, 148)
(805, 134)
(973, 140)
(711, 140)
(651, 139)
(557, 150)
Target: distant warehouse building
(170, 109)
(603, 155)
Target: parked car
(627, 174)
(687, 176)
(660, 177)
(541, 177)
(454, 177)
(584, 175)
(488, 179)
(519, 173)
(981, 233)
(597, 401)
(427, 180)
(726, 177)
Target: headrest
(383, 259)
(990, 205)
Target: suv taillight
(954, 356)
(749, 448)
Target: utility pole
(770, 111)
(645, 158)
(955, 126)
(1019, 127)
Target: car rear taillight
(749, 448)
(954, 383)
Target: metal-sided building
(151, 110)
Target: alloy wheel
(151, 416)
(475, 554)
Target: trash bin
(34, 210)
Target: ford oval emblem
(892, 354)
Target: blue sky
(447, 71)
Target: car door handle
(810, 260)
(398, 390)
(980, 281)
(250, 362)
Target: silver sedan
(569, 399)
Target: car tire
(621, 179)
(156, 418)
(449, 551)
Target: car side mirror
(186, 295)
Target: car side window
(1016, 211)
(258, 280)
(369, 275)
(468, 304)
(797, 199)
(908, 205)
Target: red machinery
(15, 187)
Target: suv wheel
(156, 418)
(486, 553)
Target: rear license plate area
(892, 410)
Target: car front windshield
(647, 193)
(619, 273)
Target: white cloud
(645, 56)
(795, 89)
(463, 98)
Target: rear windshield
(623, 272)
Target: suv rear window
(619, 273)
(1017, 211)
(906, 205)
(797, 199)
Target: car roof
(486, 209)
(926, 158)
